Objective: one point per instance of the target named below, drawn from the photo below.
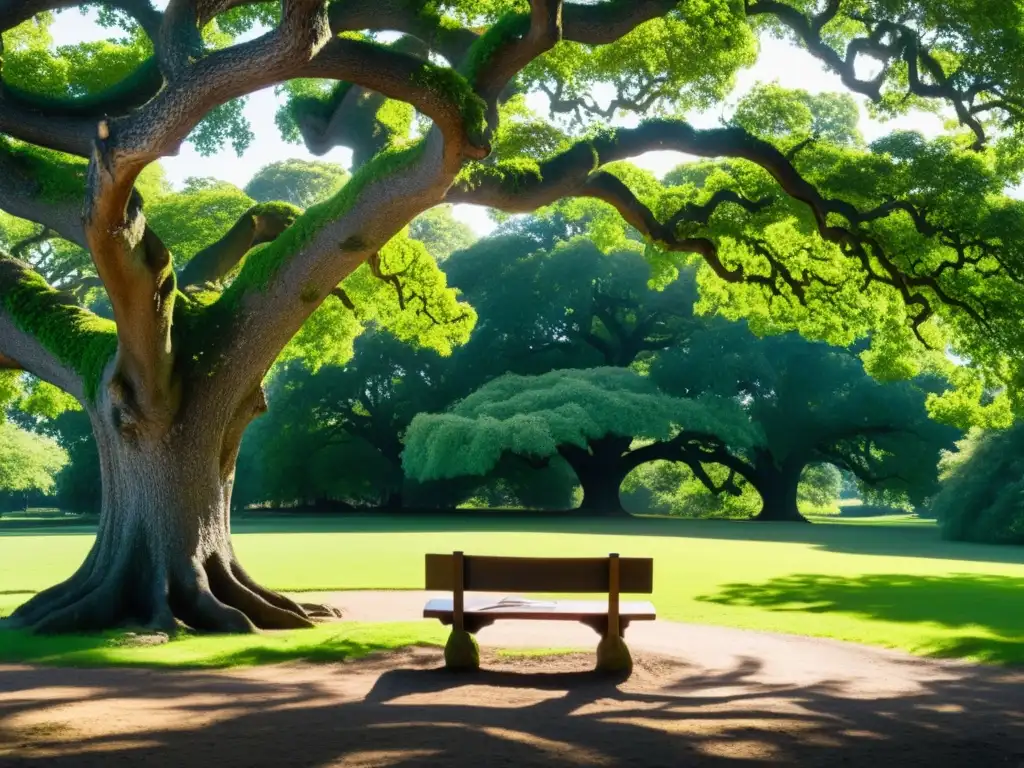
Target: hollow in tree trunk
(163, 554)
(778, 489)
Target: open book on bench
(613, 575)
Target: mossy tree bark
(163, 551)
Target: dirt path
(699, 696)
(779, 659)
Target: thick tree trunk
(601, 493)
(163, 554)
(778, 489)
(600, 473)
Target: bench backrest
(539, 574)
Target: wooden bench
(613, 574)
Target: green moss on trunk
(264, 263)
(80, 340)
(454, 87)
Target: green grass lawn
(891, 583)
(322, 644)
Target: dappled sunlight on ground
(400, 710)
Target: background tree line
(606, 368)
(614, 391)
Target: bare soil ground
(698, 696)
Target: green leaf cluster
(28, 462)
(982, 497)
(535, 416)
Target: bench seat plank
(539, 609)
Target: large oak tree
(589, 417)
(172, 381)
(814, 404)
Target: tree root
(134, 591)
(259, 610)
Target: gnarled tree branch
(572, 174)
(260, 224)
(27, 305)
(889, 42)
(22, 195)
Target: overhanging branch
(572, 174)
(14, 12)
(889, 42)
(260, 224)
(22, 195)
(45, 333)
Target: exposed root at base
(209, 597)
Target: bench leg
(613, 656)
(461, 652)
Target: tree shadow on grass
(372, 714)
(910, 541)
(333, 643)
(994, 604)
(898, 541)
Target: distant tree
(324, 421)
(820, 486)
(441, 232)
(587, 308)
(299, 182)
(42, 411)
(774, 112)
(28, 462)
(982, 495)
(815, 404)
(77, 484)
(591, 418)
(672, 487)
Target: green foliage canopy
(815, 404)
(982, 496)
(28, 462)
(299, 182)
(535, 416)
